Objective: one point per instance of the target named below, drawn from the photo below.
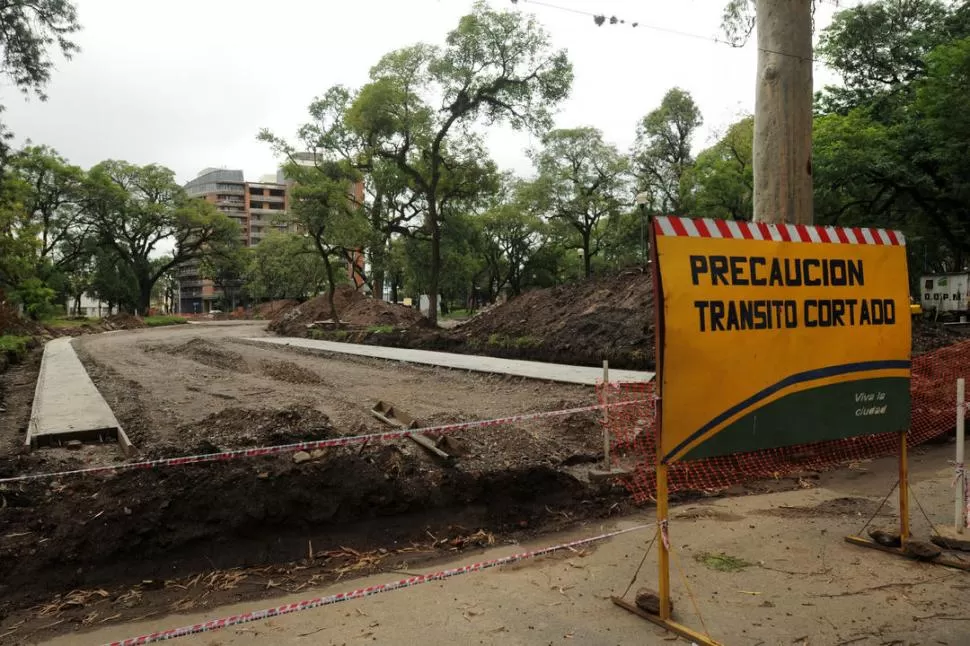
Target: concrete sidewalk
(67, 405)
(528, 369)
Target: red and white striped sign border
(309, 604)
(669, 225)
(350, 440)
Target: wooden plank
(426, 443)
(667, 624)
(945, 560)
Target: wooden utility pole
(782, 154)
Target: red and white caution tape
(309, 604)
(310, 446)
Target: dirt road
(163, 378)
(786, 577)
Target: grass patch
(14, 345)
(455, 314)
(381, 329)
(502, 341)
(69, 322)
(722, 562)
(158, 321)
(340, 335)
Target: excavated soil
(610, 317)
(206, 353)
(194, 390)
(289, 371)
(352, 307)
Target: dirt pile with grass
(352, 307)
(604, 318)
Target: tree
(898, 159)
(226, 267)
(721, 183)
(113, 281)
(332, 219)
(19, 242)
(879, 49)
(55, 202)
(137, 208)
(418, 108)
(285, 265)
(30, 30)
(581, 180)
(661, 152)
(512, 234)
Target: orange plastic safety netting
(633, 433)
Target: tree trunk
(435, 262)
(586, 258)
(333, 286)
(77, 305)
(144, 296)
(377, 284)
(394, 286)
(783, 113)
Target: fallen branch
(939, 616)
(884, 586)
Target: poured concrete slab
(67, 405)
(530, 369)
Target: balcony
(189, 284)
(257, 211)
(253, 197)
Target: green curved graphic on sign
(829, 412)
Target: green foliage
(55, 201)
(160, 321)
(30, 31)
(16, 346)
(19, 243)
(36, 298)
(135, 208)
(496, 66)
(879, 49)
(284, 265)
(380, 329)
(721, 182)
(662, 151)
(79, 321)
(508, 343)
(890, 146)
(581, 181)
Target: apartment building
(257, 207)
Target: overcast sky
(188, 83)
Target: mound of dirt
(121, 321)
(234, 428)
(603, 318)
(289, 372)
(273, 309)
(12, 323)
(353, 308)
(206, 353)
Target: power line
(601, 19)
